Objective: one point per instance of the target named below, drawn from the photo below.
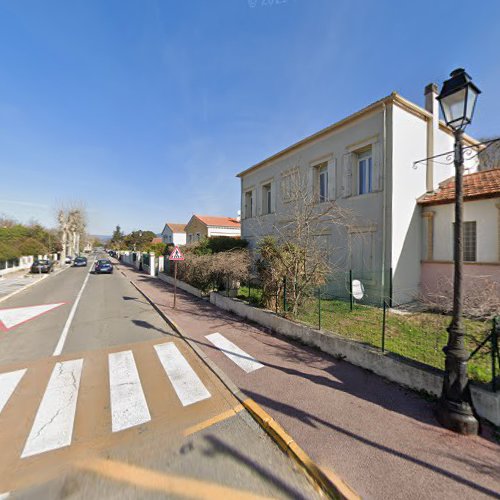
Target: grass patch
(419, 336)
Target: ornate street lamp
(457, 100)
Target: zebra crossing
(53, 422)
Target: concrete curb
(332, 485)
(29, 285)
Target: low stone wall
(391, 367)
(181, 284)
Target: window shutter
(347, 175)
(332, 179)
(377, 166)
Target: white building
(481, 236)
(174, 234)
(364, 163)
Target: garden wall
(389, 366)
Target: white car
(69, 259)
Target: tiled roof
(176, 228)
(157, 240)
(484, 184)
(215, 220)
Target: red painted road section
(25, 314)
(380, 438)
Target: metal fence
(409, 331)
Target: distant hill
(103, 237)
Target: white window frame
(468, 245)
(267, 198)
(249, 193)
(367, 158)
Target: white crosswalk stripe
(234, 353)
(8, 384)
(186, 383)
(53, 426)
(128, 403)
(53, 423)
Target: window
(266, 199)
(321, 182)
(365, 173)
(469, 241)
(197, 236)
(248, 204)
(290, 185)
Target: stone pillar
(161, 263)
(152, 267)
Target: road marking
(8, 384)
(186, 383)
(64, 334)
(212, 421)
(3, 496)
(14, 316)
(53, 425)
(128, 404)
(170, 485)
(234, 353)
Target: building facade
(481, 237)
(174, 234)
(365, 164)
(205, 226)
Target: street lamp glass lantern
(458, 99)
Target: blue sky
(145, 110)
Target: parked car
(80, 262)
(42, 266)
(69, 259)
(103, 266)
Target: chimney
(238, 217)
(431, 105)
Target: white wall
(170, 237)
(224, 231)
(484, 212)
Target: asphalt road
(100, 399)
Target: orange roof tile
(176, 228)
(216, 220)
(484, 184)
(157, 240)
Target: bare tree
(298, 247)
(72, 225)
(489, 156)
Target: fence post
(319, 308)
(390, 287)
(277, 299)
(494, 351)
(383, 326)
(284, 294)
(350, 289)
(249, 288)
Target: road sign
(9, 318)
(176, 255)
(358, 290)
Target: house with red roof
(205, 226)
(481, 231)
(174, 233)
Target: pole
(175, 282)
(454, 409)
(350, 289)
(319, 308)
(494, 352)
(383, 326)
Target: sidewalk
(17, 281)
(380, 438)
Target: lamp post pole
(454, 409)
